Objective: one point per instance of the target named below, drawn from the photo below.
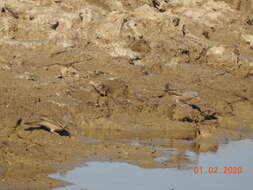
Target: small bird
(185, 96)
(181, 96)
(100, 88)
(47, 124)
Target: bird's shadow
(37, 128)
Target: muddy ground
(115, 71)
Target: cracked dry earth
(112, 71)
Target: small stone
(219, 50)
(67, 72)
(206, 34)
(111, 87)
(173, 62)
(221, 56)
(27, 76)
(176, 21)
(249, 39)
(190, 94)
(249, 22)
(5, 67)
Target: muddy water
(212, 172)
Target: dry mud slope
(182, 69)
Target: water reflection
(176, 148)
(175, 155)
(114, 176)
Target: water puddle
(229, 167)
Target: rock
(111, 87)
(190, 94)
(4, 67)
(173, 64)
(248, 38)
(28, 76)
(118, 50)
(160, 5)
(2, 5)
(249, 22)
(156, 68)
(140, 46)
(209, 13)
(68, 72)
(45, 2)
(110, 27)
(220, 55)
(187, 114)
(176, 21)
(218, 51)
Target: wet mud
(105, 73)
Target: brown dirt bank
(117, 70)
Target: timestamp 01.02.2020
(218, 170)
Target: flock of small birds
(58, 128)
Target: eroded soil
(116, 70)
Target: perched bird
(186, 96)
(181, 96)
(101, 88)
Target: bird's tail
(19, 122)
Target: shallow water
(123, 176)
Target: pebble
(248, 38)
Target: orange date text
(218, 170)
